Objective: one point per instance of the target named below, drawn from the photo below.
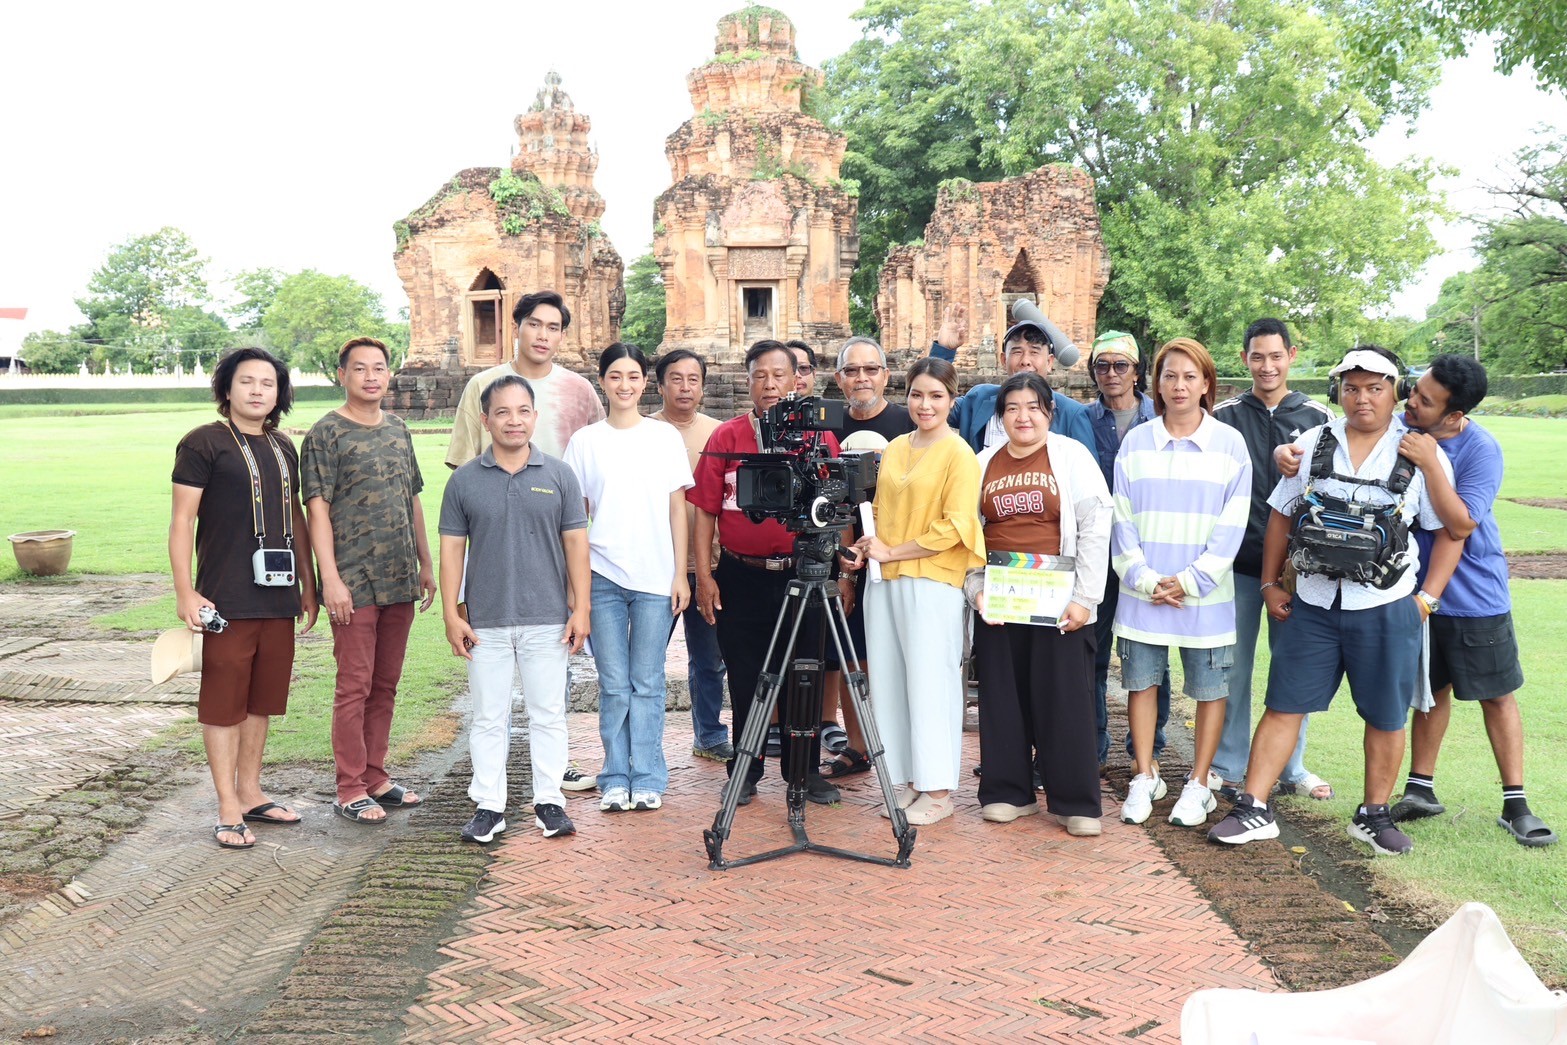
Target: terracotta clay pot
(43, 553)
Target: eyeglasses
(1106, 366)
(805, 368)
(855, 371)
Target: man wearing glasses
(1025, 346)
(862, 378)
(804, 367)
(1121, 406)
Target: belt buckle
(776, 565)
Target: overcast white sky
(293, 135)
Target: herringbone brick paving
(168, 924)
(997, 932)
(47, 749)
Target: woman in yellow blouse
(928, 536)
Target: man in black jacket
(1267, 415)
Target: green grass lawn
(106, 475)
(1464, 855)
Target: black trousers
(1036, 689)
(751, 599)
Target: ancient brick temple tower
(491, 235)
(987, 244)
(756, 237)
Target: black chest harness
(1345, 539)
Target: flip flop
(231, 829)
(834, 737)
(1308, 786)
(356, 809)
(1528, 829)
(259, 815)
(396, 797)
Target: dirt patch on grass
(1544, 566)
(1559, 503)
(1308, 914)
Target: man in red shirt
(742, 593)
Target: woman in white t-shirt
(634, 475)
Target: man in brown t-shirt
(236, 487)
(361, 484)
(682, 376)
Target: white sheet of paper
(868, 524)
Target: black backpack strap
(1403, 475)
(1322, 454)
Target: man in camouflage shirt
(361, 485)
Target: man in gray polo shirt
(519, 516)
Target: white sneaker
(1140, 797)
(1215, 781)
(645, 800)
(1194, 805)
(615, 800)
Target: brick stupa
(493, 234)
(756, 237)
(1035, 236)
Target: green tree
(146, 278)
(1226, 141)
(313, 314)
(643, 324)
(1525, 32)
(896, 93)
(51, 352)
(146, 305)
(257, 289)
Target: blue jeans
(1106, 642)
(630, 635)
(1235, 742)
(704, 675)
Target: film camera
(794, 480)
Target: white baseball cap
(1371, 362)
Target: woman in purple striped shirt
(1182, 490)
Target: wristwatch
(1431, 603)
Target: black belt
(776, 563)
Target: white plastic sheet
(1465, 983)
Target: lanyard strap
(257, 513)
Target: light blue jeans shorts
(1207, 670)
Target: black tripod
(812, 587)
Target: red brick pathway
(997, 932)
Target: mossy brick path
(167, 928)
(997, 932)
(46, 749)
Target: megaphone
(1066, 353)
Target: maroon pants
(369, 651)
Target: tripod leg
(768, 685)
(859, 695)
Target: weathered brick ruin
(756, 237)
(987, 244)
(491, 235)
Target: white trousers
(914, 638)
(537, 657)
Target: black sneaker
(774, 741)
(1245, 822)
(484, 826)
(575, 779)
(1417, 805)
(1375, 828)
(553, 821)
(747, 792)
(818, 790)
